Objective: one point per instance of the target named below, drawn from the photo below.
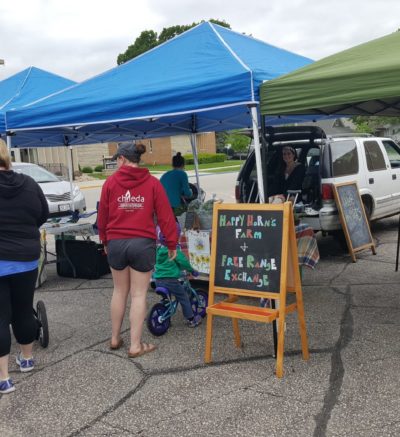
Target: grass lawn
(97, 175)
(218, 167)
(233, 162)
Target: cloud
(81, 38)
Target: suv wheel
(367, 207)
(340, 238)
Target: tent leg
(193, 140)
(71, 186)
(257, 150)
(9, 143)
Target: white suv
(373, 162)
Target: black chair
(311, 185)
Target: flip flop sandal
(116, 346)
(145, 348)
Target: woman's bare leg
(26, 350)
(139, 285)
(121, 280)
(4, 367)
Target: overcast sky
(78, 39)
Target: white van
(373, 162)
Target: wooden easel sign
(353, 218)
(254, 254)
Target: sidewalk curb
(88, 187)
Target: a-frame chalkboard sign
(254, 254)
(353, 218)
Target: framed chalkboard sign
(353, 218)
(249, 248)
(254, 255)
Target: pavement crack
(339, 274)
(162, 372)
(337, 291)
(136, 364)
(54, 363)
(64, 340)
(377, 307)
(112, 408)
(148, 375)
(187, 409)
(117, 428)
(337, 368)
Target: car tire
(341, 239)
(367, 207)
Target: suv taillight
(327, 192)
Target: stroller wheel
(43, 326)
(157, 326)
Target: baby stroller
(42, 326)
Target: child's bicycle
(159, 317)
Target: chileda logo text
(129, 202)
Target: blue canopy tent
(206, 79)
(28, 86)
(25, 87)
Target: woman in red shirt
(130, 199)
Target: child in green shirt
(167, 274)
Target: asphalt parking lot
(349, 387)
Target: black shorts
(137, 253)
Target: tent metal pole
(8, 143)
(257, 150)
(264, 153)
(193, 140)
(71, 186)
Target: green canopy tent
(363, 80)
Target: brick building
(158, 151)
(161, 150)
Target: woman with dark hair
(290, 176)
(23, 209)
(130, 199)
(176, 184)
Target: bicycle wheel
(43, 324)
(199, 303)
(155, 325)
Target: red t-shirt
(129, 200)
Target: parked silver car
(56, 191)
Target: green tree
(371, 124)
(149, 39)
(170, 32)
(145, 41)
(220, 139)
(238, 141)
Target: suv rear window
(344, 158)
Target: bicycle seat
(162, 291)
